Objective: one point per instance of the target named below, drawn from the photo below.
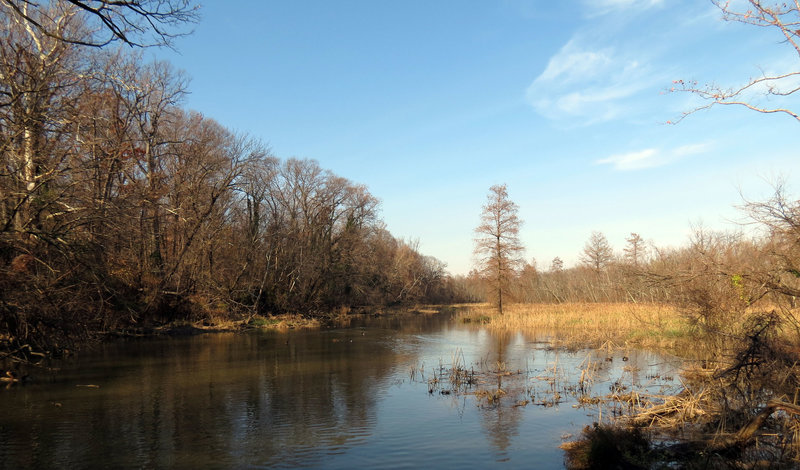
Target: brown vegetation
(739, 406)
(121, 210)
(591, 324)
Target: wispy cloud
(616, 64)
(572, 64)
(586, 84)
(652, 157)
(634, 160)
(602, 7)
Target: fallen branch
(755, 424)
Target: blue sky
(429, 103)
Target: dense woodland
(119, 208)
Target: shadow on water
(333, 398)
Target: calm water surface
(367, 396)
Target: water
(361, 397)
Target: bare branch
(137, 23)
(785, 16)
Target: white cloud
(634, 160)
(617, 63)
(572, 64)
(652, 157)
(585, 85)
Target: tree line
(757, 268)
(119, 207)
(501, 273)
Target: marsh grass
(282, 322)
(494, 384)
(738, 406)
(578, 325)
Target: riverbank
(27, 355)
(187, 328)
(281, 322)
(14, 353)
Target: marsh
(372, 394)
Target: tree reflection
(500, 420)
(501, 425)
(221, 399)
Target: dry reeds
(589, 324)
(677, 410)
(282, 322)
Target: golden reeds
(589, 324)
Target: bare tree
(497, 245)
(134, 22)
(783, 16)
(38, 87)
(148, 95)
(636, 250)
(597, 253)
(529, 282)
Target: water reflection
(501, 423)
(221, 398)
(333, 399)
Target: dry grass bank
(590, 324)
(282, 322)
(278, 322)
